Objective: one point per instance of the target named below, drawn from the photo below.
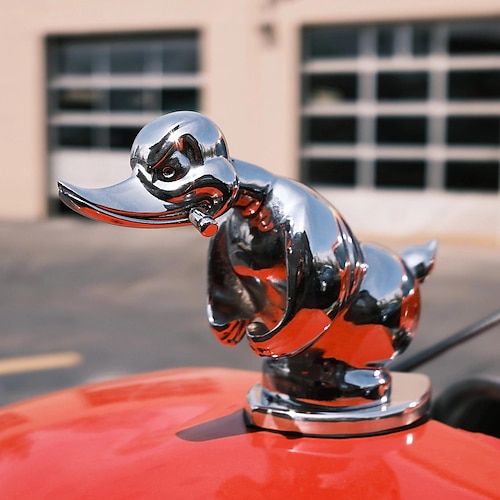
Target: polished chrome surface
(285, 270)
(409, 403)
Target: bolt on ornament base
(327, 311)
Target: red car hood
(181, 434)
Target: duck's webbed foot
(229, 333)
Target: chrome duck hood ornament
(327, 312)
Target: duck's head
(181, 174)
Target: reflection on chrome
(285, 271)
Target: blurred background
(390, 109)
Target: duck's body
(284, 267)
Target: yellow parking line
(41, 362)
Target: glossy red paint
(181, 434)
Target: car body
(182, 434)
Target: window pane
(127, 59)
(330, 130)
(400, 174)
(385, 41)
(74, 136)
(180, 99)
(77, 99)
(472, 176)
(474, 39)
(125, 100)
(402, 86)
(338, 172)
(180, 56)
(330, 43)
(75, 58)
(122, 137)
(151, 99)
(331, 88)
(474, 84)
(401, 130)
(421, 41)
(473, 130)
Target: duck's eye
(171, 168)
(167, 173)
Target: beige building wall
(250, 87)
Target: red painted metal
(181, 434)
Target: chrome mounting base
(409, 401)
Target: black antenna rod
(429, 353)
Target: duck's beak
(123, 204)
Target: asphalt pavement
(82, 301)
